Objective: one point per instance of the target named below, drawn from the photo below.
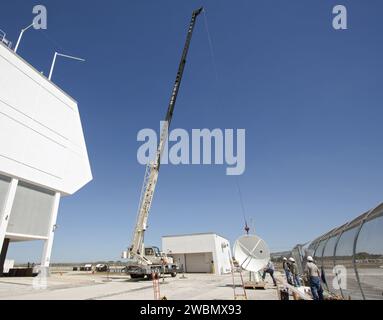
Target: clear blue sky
(309, 97)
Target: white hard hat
(291, 259)
(284, 258)
(310, 258)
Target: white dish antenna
(251, 253)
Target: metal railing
(358, 247)
(4, 40)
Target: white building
(200, 252)
(42, 153)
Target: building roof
(193, 234)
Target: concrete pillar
(5, 214)
(3, 255)
(48, 244)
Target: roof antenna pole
(21, 35)
(61, 55)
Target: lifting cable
(210, 44)
(216, 78)
(242, 207)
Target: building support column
(4, 218)
(46, 256)
(3, 255)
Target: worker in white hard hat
(314, 277)
(270, 270)
(294, 272)
(286, 268)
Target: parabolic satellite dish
(251, 253)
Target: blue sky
(309, 97)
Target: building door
(199, 262)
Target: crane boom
(137, 249)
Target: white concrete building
(42, 153)
(200, 252)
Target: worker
(314, 277)
(286, 269)
(294, 272)
(270, 270)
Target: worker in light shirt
(314, 276)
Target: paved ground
(83, 286)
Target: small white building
(199, 252)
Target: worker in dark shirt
(286, 269)
(294, 272)
(270, 270)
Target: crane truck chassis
(146, 261)
(160, 263)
